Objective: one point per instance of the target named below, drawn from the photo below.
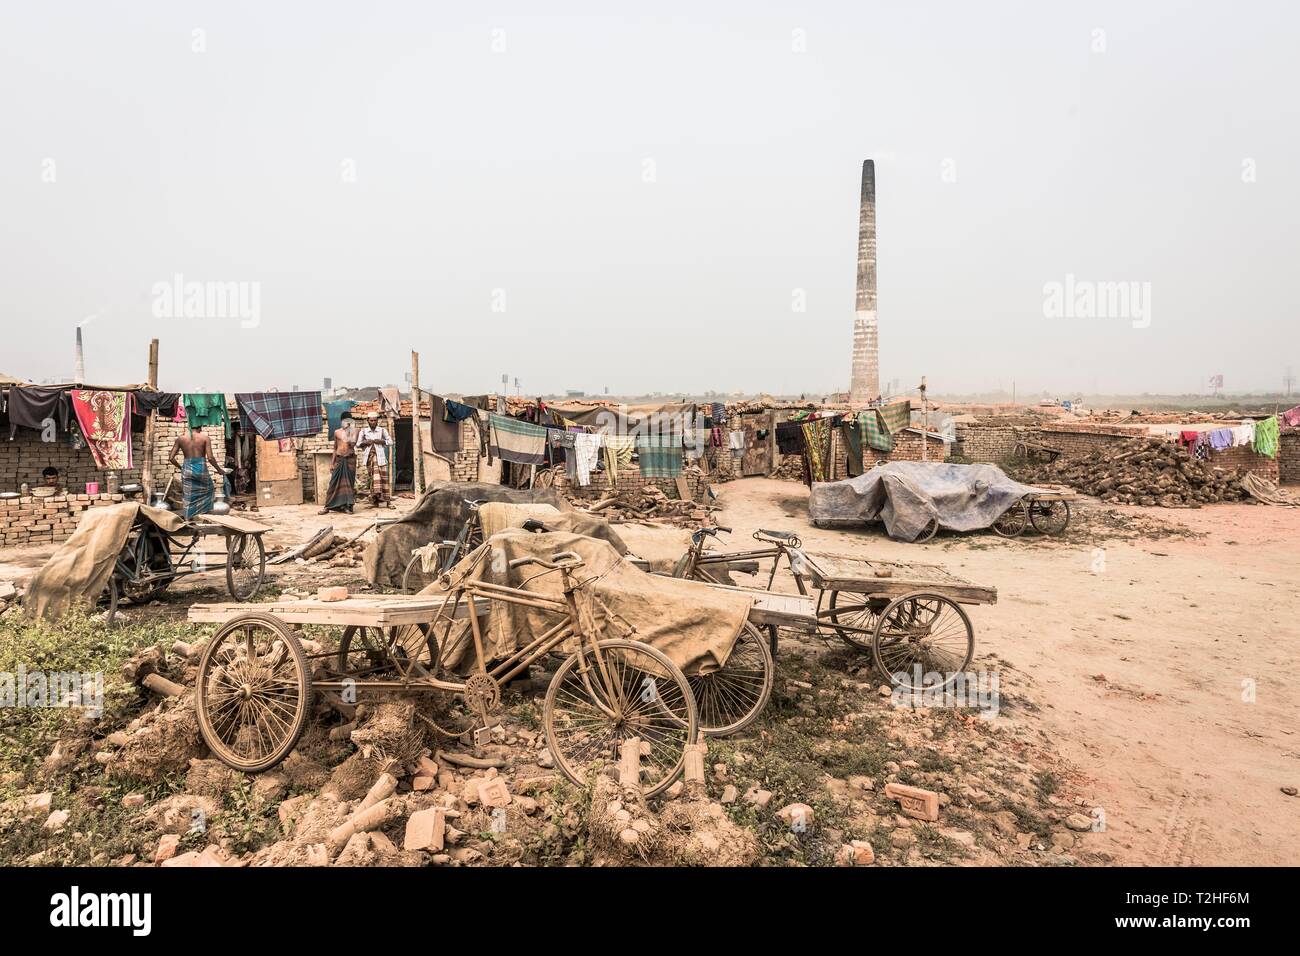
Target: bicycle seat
(532, 524)
(781, 537)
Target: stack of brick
(34, 520)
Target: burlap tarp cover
(695, 625)
(497, 516)
(79, 570)
(906, 495)
(438, 516)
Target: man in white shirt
(373, 443)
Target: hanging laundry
(444, 432)
(1291, 417)
(458, 411)
(736, 440)
(875, 432)
(586, 455)
(519, 442)
(334, 412)
(1221, 438)
(618, 455)
(105, 421)
(896, 416)
(718, 412)
(146, 401)
(390, 402)
(851, 434)
(275, 415)
(817, 445)
(204, 409)
(32, 405)
(1201, 450)
(1266, 437)
(661, 455)
(1188, 438)
(1243, 434)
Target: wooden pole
(925, 423)
(146, 473)
(417, 466)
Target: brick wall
(24, 458)
(1246, 458)
(987, 443)
(1288, 456)
(631, 479)
(166, 432)
(907, 447)
(34, 521)
(1084, 441)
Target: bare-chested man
(196, 483)
(343, 468)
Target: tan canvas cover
(695, 625)
(498, 516)
(661, 545)
(79, 570)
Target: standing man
(343, 469)
(373, 445)
(196, 483)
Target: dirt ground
(1164, 667)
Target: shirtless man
(196, 483)
(343, 469)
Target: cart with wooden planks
(1046, 509)
(908, 615)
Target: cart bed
(834, 572)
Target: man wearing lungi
(341, 495)
(373, 444)
(196, 483)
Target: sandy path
(1144, 667)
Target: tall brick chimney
(864, 384)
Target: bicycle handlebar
(698, 536)
(564, 559)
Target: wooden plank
(842, 573)
(234, 523)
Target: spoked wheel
(245, 565)
(920, 635)
(730, 699)
(415, 578)
(854, 616)
(1049, 517)
(1012, 521)
(387, 652)
(928, 532)
(607, 693)
(254, 692)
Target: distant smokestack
(864, 384)
(80, 374)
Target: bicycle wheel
(920, 635)
(609, 692)
(254, 692)
(416, 579)
(372, 652)
(245, 565)
(730, 699)
(928, 532)
(854, 617)
(1049, 517)
(1012, 521)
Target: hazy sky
(644, 199)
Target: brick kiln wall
(1288, 457)
(1084, 441)
(907, 447)
(987, 443)
(1247, 459)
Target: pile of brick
(45, 520)
(1144, 471)
(648, 503)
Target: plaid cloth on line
(896, 417)
(522, 443)
(661, 455)
(275, 415)
(874, 430)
